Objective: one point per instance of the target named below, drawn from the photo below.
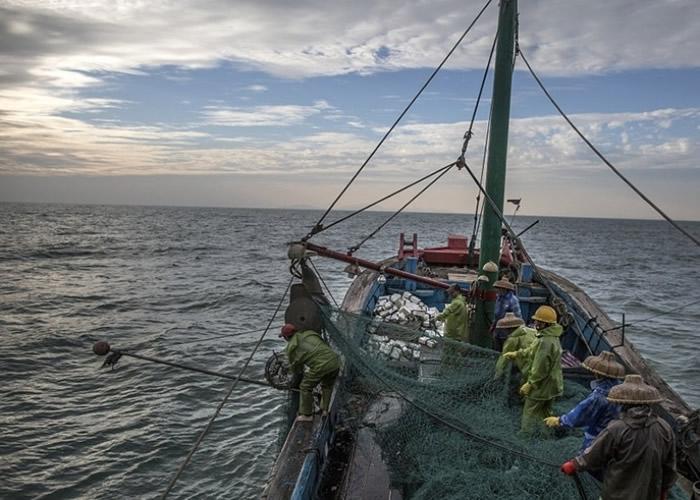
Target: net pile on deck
(457, 435)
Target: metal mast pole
(496, 170)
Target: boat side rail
(309, 478)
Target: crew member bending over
(308, 349)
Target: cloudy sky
(270, 103)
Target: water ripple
(151, 278)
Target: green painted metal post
(496, 173)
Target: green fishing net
(456, 435)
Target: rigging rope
(398, 191)
(478, 213)
(477, 210)
(425, 188)
(468, 133)
(226, 397)
(603, 158)
(324, 283)
(318, 224)
(517, 240)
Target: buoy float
(101, 348)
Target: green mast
(496, 172)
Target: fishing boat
(400, 424)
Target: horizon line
(310, 209)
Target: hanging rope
(373, 233)
(226, 397)
(391, 195)
(318, 224)
(604, 159)
(324, 283)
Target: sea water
(169, 282)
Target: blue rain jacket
(508, 302)
(593, 413)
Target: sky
(275, 104)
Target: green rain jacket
(455, 316)
(544, 374)
(521, 338)
(307, 348)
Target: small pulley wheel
(278, 372)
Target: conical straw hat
(503, 283)
(604, 364)
(633, 391)
(510, 320)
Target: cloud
(256, 88)
(60, 43)
(262, 116)
(35, 140)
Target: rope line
(604, 159)
(467, 138)
(226, 397)
(398, 191)
(324, 283)
(393, 126)
(663, 313)
(468, 133)
(517, 240)
(196, 369)
(480, 211)
(423, 190)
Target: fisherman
(506, 301)
(595, 411)
(511, 335)
(308, 349)
(455, 315)
(638, 450)
(504, 329)
(544, 379)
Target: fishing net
(457, 432)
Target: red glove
(569, 468)
(664, 495)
